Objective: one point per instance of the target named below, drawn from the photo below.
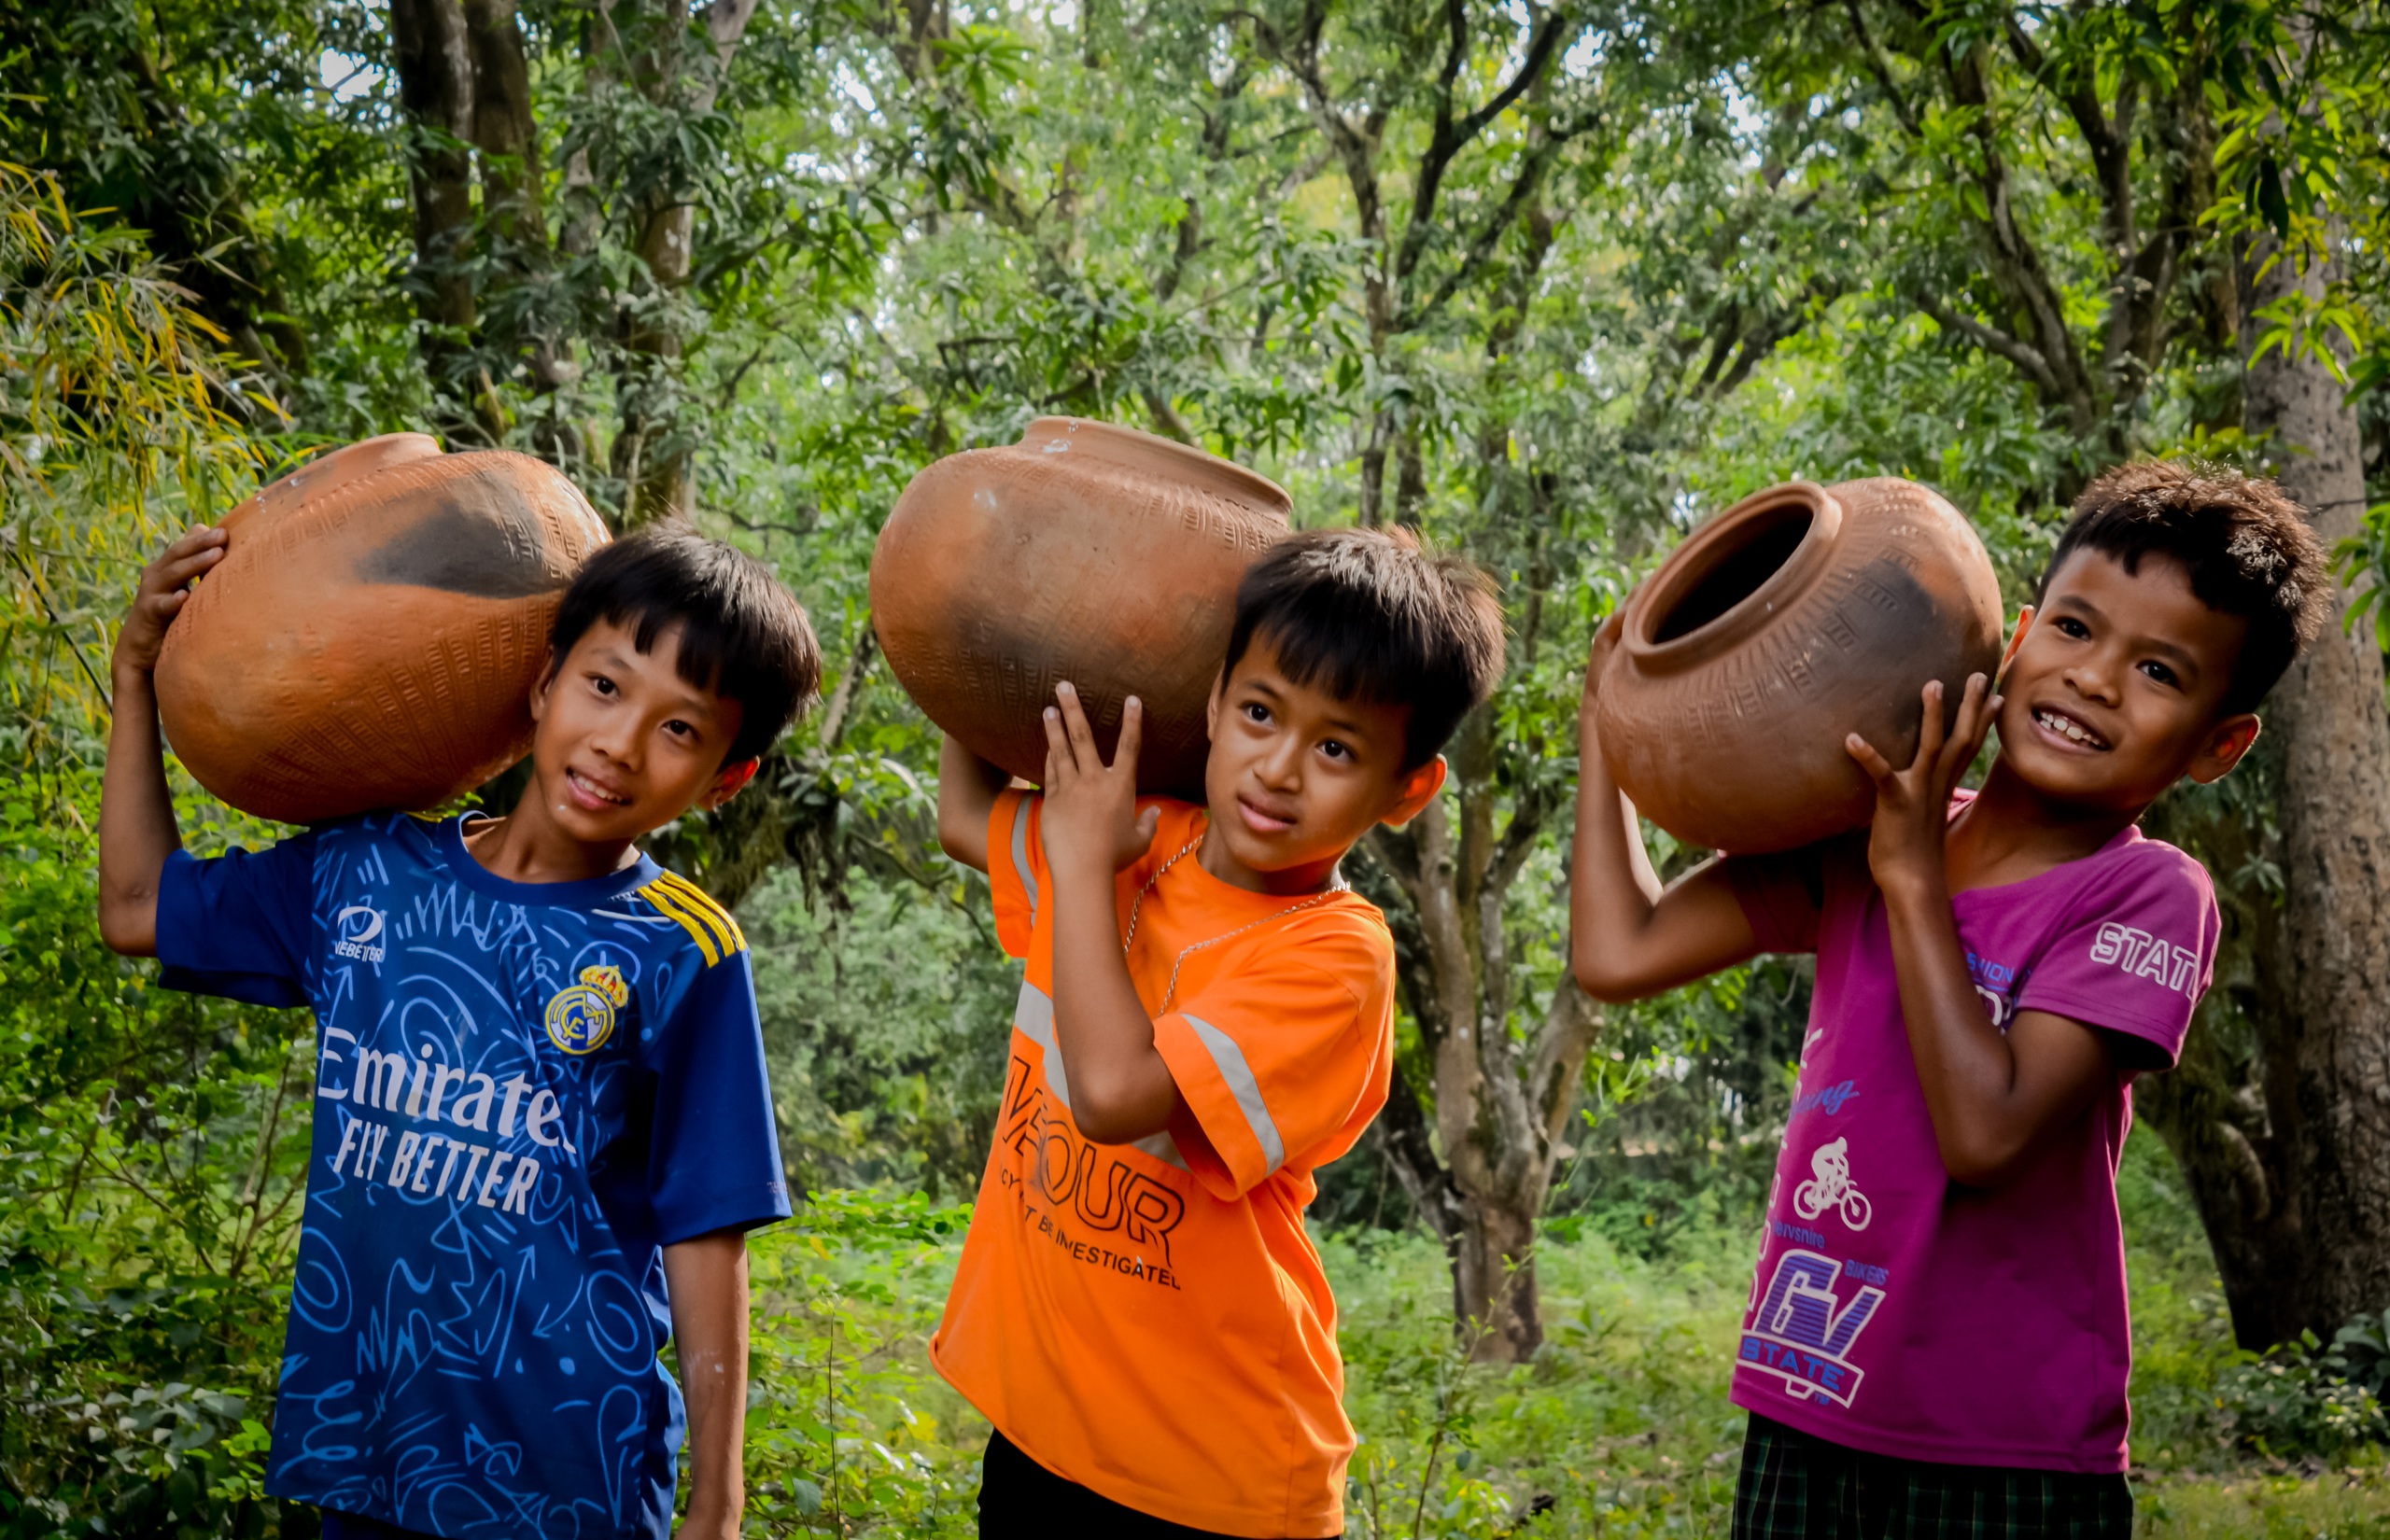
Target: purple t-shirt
(1894, 1310)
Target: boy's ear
(727, 782)
(544, 686)
(2226, 742)
(2016, 640)
(1416, 791)
(1212, 705)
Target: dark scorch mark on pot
(481, 542)
(1896, 622)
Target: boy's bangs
(1342, 655)
(743, 635)
(1370, 615)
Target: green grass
(2347, 1504)
(1620, 1429)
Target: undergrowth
(1620, 1428)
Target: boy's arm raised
(967, 788)
(1628, 936)
(1991, 1095)
(137, 831)
(1121, 1088)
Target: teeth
(2066, 727)
(595, 789)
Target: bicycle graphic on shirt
(1831, 1187)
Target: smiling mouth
(2059, 724)
(1262, 820)
(593, 792)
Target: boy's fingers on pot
(1058, 747)
(1967, 736)
(197, 541)
(182, 569)
(1074, 724)
(1929, 734)
(1877, 767)
(1132, 736)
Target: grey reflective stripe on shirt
(1034, 1014)
(1162, 1148)
(1229, 1060)
(1021, 864)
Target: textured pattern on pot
(1799, 615)
(372, 635)
(1087, 552)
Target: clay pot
(1798, 615)
(1087, 552)
(371, 636)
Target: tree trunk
(2330, 1049)
(432, 50)
(653, 454)
(2218, 1121)
(1494, 1283)
(1502, 1098)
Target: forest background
(1551, 282)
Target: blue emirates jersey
(523, 1092)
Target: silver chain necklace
(1336, 886)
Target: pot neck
(1712, 547)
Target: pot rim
(1116, 445)
(1700, 556)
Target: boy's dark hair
(1368, 614)
(2245, 544)
(743, 635)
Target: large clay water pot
(371, 634)
(1799, 615)
(1087, 552)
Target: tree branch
(1448, 139)
(1488, 235)
(1880, 67)
(2027, 358)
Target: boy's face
(624, 745)
(1296, 777)
(2114, 689)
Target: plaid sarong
(1797, 1487)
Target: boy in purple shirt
(1936, 1342)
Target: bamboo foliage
(119, 414)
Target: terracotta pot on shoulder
(1799, 615)
(1087, 552)
(371, 636)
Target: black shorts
(1021, 1500)
(1795, 1486)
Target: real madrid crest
(581, 1017)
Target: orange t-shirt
(1151, 1319)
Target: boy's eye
(1255, 712)
(603, 685)
(1334, 750)
(2069, 626)
(679, 729)
(2160, 673)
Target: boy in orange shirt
(1207, 1018)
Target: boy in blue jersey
(542, 1123)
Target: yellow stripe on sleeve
(702, 904)
(668, 903)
